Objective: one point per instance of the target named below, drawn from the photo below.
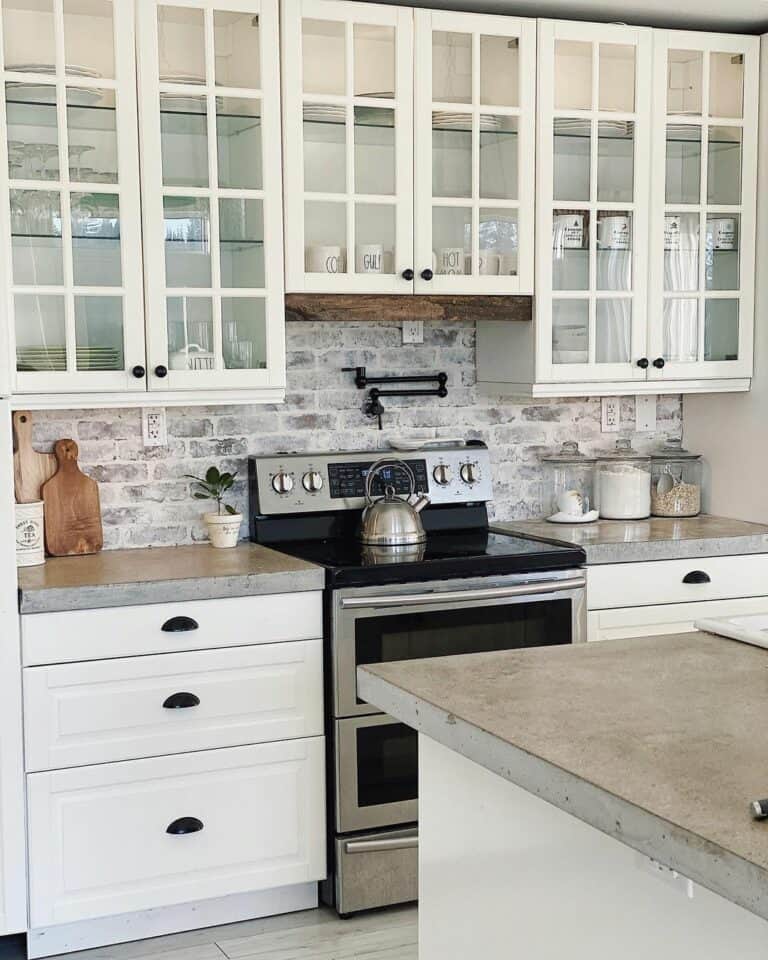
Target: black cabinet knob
(659, 363)
(427, 274)
(161, 371)
(643, 363)
(184, 825)
(139, 372)
(180, 701)
(697, 576)
(408, 274)
(179, 625)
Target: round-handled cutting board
(72, 507)
(30, 468)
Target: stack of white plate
(572, 127)
(54, 358)
(323, 113)
(32, 92)
(442, 120)
(192, 79)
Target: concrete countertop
(624, 541)
(115, 578)
(660, 742)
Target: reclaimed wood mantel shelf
(344, 307)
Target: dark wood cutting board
(72, 507)
(30, 468)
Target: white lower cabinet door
(122, 837)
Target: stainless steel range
(465, 589)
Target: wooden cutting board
(72, 507)
(30, 468)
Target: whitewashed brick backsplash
(146, 500)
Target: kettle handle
(378, 466)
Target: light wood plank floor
(310, 935)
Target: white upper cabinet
(409, 149)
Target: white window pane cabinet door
(347, 128)
(594, 133)
(703, 206)
(209, 95)
(474, 109)
(69, 210)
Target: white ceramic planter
(223, 528)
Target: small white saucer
(570, 518)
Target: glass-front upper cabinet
(703, 205)
(212, 193)
(69, 209)
(347, 88)
(474, 110)
(592, 224)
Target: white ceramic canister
(370, 258)
(326, 259)
(30, 541)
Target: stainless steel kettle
(392, 521)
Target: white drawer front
(98, 840)
(664, 581)
(201, 625)
(106, 710)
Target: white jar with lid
(623, 481)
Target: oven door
(413, 621)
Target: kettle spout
(421, 502)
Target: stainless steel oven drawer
(376, 869)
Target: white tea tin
(30, 541)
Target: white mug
(614, 233)
(568, 231)
(721, 233)
(326, 259)
(30, 550)
(370, 258)
(677, 236)
(450, 261)
(508, 264)
(489, 262)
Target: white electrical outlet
(645, 413)
(413, 331)
(153, 427)
(611, 414)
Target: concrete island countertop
(625, 541)
(660, 743)
(115, 578)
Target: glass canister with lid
(568, 485)
(675, 481)
(623, 483)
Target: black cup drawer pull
(180, 625)
(697, 576)
(184, 825)
(178, 701)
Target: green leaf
(230, 510)
(189, 476)
(212, 476)
(226, 484)
(201, 496)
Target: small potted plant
(224, 525)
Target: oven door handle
(374, 846)
(451, 596)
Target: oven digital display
(347, 480)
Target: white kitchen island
(589, 802)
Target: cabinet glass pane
(323, 56)
(498, 242)
(570, 331)
(238, 143)
(615, 161)
(498, 157)
(92, 136)
(374, 60)
(40, 336)
(374, 150)
(681, 251)
(614, 250)
(374, 238)
(236, 49)
(36, 245)
(617, 77)
(573, 75)
(325, 152)
(681, 330)
(184, 140)
(325, 234)
(452, 240)
(722, 252)
(244, 333)
(451, 67)
(721, 330)
(683, 164)
(570, 250)
(724, 165)
(99, 333)
(181, 44)
(684, 81)
(96, 260)
(613, 331)
(190, 333)
(33, 138)
(187, 242)
(451, 155)
(726, 85)
(500, 71)
(241, 243)
(571, 159)
(28, 35)
(89, 42)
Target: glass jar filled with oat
(675, 481)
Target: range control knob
(282, 483)
(469, 473)
(442, 474)
(312, 481)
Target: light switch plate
(645, 413)
(611, 414)
(153, 427)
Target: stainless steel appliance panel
(376, 869)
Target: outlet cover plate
(413, 331)
(611, 414)
(153, 427)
